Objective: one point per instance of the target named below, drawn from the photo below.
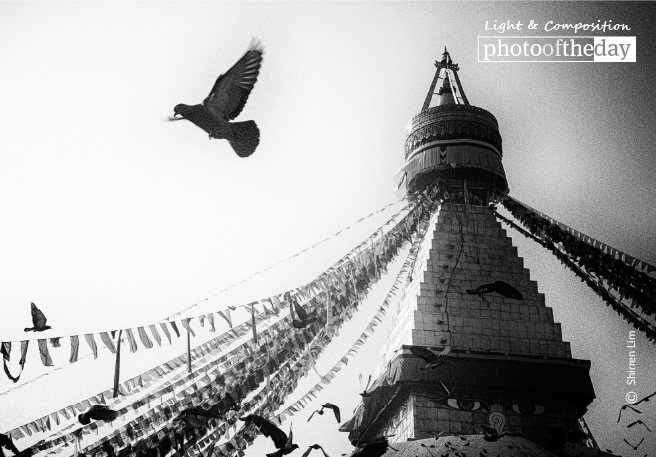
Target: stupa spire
(451, 91)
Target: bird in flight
(314, 446)
(635, 448)
(283, 443)
(38, 320)
(638, 422)
(303, 320)
(623, 408)
(192, 416)
(98, 412)
(335, 409)
(500, 287)
(224, 103)
(644, 399)
(432, 359)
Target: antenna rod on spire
(429, 96)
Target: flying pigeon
(623, 408)
(303, 320)
(282, 442)
(224, 103)
(192, 416)
(432, 360)
(638, 422)
(98, 412)
(644, 399)
(38, 320)
(372, 448)
(314, 446)
(635, 448)
(500, 287)
(335, 409)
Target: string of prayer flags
(131, 341)
(144, 338)
(155, 334)
(187, 327)
(166, 331)
(107, 340)
(92, 344)
(210, 318)
(226, 315)
(43, 351)
(75, 345)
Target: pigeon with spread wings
(314, 446)
(283, 443)
(335, 409)
(303, 319)
(38, 320)
(500, 287)
(98, 412)
(224, 103)
(432, 359)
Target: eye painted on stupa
(525, 409)
(464, 405)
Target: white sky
(111, 217)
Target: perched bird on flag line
(224, 103)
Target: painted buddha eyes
(526, 409)
(464, 405)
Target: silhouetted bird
(372, 448)
(432, 359)
(335, 409)
(635, 448)
(98, 412)
(644, 399)
(192, 416)
(314, 446)
(638, 422)
(491, 434)
(302, 320)
(623, 408)
(500, 287)
(38, 320)
(283, 443)
(224, 103)
(228, 403)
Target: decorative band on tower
(453, 141)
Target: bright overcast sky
(111, 217)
